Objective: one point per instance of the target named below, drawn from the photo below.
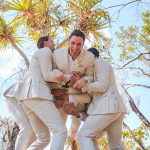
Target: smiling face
(75, 45)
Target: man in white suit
(76, 64)
(26, 135)
(37, 101)
(106, 111)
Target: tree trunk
(26, 61)
(63, 42)
(10, 135)
(135, 109)
(45, 30)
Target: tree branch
(136, 85)
(62, 43)
(134, 59)
(61, 23)
(1, 122)
(135, 109)
(123, 5)
(144, 73)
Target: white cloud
(9, 62)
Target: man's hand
(80, 84)
(59, 75)
(75, 76)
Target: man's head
(77, 33)
(46, 41)
(94, 51)
(76, 42)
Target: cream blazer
(83, 63)
(40, 70)
(15, 90)
(106, 98)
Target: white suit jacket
(15, 90)
(83, 63)
(40, 70)
(106, 98)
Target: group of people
(70, 81)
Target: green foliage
(128, 41)
(47, 16)
(7, 32)
(145, 32)
(89, 18)
(140, 134)
(135, 40)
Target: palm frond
(8, 31)
(20, 5)
(81, 6)
(89, 18)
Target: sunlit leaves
(7, 32)
(20, 5)
(134, 40)
(140, 134)
(89, 18)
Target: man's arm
(102, 71)
(45, 61)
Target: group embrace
(70, 81)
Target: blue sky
(128, 16)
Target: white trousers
(95, 125)
(26, 135)
(46, 112)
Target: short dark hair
(40, 43)
(94, 51)
(78, 33)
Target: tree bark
(63, 42)
(135, 109)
